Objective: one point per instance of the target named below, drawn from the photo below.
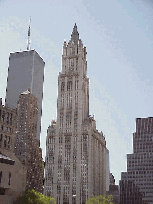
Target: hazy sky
(118, 35)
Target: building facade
(107, 170)
(27, 145)
(75, 167)
(26, 70)
(113, 190)
(12, 172)
(140, 163)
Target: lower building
(27, 145)
(139, 173)
(12, 172)
(113, 190)
(130, 193)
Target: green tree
(100, 200)
(34, 197)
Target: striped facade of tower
(76, 152)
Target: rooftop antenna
(28, 45)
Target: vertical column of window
(62, 100)
(64, 65)
(68, 121)
(5, 139)
(71, 65)
(68, 64)
(76, 100)
(69, 86)
(84, 149)
(8, 141)
(62, 86)
(75, 121)
(3, 116)
(74, 169)
(73, 50)
(71, 99)
(1, 139)
(0, 114)
(51, 161)
(9, 179)
(76, 84)
(61, 120)
(76, 64)
(7, 118)
(1, 173)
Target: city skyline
(119, 45)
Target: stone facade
(27, 145)
(114, 190)
(12, 172)
(75, 167)
(26, 70)
(140, 163)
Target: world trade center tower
(26, 70)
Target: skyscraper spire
(75, 35)
(28, 45)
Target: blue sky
(119, 39)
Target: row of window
(4, 141)
(6, 117)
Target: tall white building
(26, 70)
(75, 151)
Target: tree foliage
(31, 196)
(100, 200)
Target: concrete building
(12, 172)
(130, 193)
(75, 150)
(26, 70)
(140, 163)
(113, 190)
(27, 146)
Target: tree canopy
(34, 197)
(100, 200)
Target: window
(0, 176)
(69, 85)
(9, 181)
(3, 116)
(62, 86)
(5, 141)
(10, 119)
(1, 137)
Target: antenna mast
(28, 46)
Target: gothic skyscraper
(75, 150)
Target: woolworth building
(75, 168)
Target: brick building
(27, 145)
(12, 172)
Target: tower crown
(75, 35)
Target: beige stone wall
(17, 179)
